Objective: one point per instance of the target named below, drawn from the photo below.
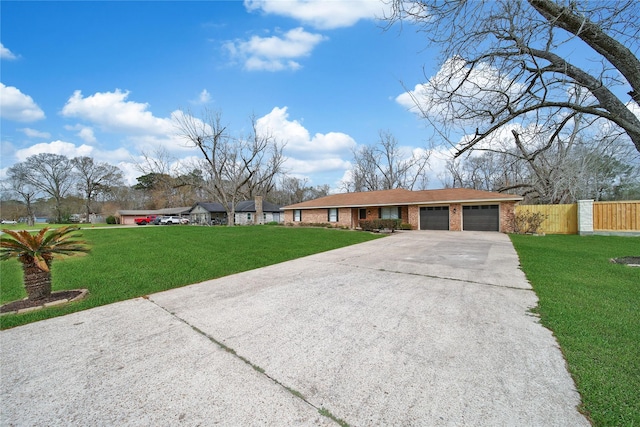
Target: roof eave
(435, 202)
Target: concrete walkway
(416, 329)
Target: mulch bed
(55, 296)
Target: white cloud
(6, 53)
(204, 97)
(33, 133)
(323, 14)
(113, 113)
(56, 147)
(305, 167)
(274, 53)
(15, 105)
(84, 132)
(298, 138)
(87, 135)
(307, 154)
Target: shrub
(111, 220)
(316, 224)
(379, 224)
(528, 222)
(405, 226)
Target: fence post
(585, 217)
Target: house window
(297, 215)
(391, 212)
(249, 217)
(333, 214)
(362, 214)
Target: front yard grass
(133, 262)
(593, 308)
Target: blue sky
(103, 78)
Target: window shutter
(399, 212)
(379, 212)
(337, 214)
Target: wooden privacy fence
(616, 216)
(607, 217)
(561, 219)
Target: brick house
(454, 209)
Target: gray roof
(250, 206)
(244, 206)
(210, 206)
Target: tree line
(59, 188)
(518, 111)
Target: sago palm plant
(36, 253)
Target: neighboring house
(208, 214)
(246, 212)
(453, 209)
(128, 216)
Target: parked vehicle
(9, 221)
(168, 220)
(145, 220)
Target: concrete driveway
(416, 329)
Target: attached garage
(481, 218)
(434, 218)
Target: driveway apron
(420, 328)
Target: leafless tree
(18, 183)
(385, 166)
(507, 62)
(235, 167)
(51, 174)
(569, 169)
(159, 179)
(263, 159)
(290, 190)
(95, 178)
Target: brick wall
(413, 216)
(507, 215)
(320, 216)
(455, 217)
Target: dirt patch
(628, 260)
(56, 298)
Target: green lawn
(593, 308)
(126, 263)
(38, 226)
